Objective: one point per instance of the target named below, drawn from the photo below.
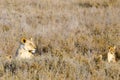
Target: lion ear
(31, 39)
(114, 47)
(109, 47)
(23, 40)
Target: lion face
(112, 49)
(28, 45)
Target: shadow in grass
(10, 67)
(87, 5)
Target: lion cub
(26, 49)
(111, 54)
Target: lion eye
(31, 44)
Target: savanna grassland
(69, 34)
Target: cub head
(112, 49)
(28, 45)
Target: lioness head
(112, 49)
(28, 45)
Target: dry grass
(69, 34)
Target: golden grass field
(69, 35)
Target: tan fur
(26, 49)
(111, 54)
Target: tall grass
(69, 35)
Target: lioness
(26, 49)
(111, 54)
